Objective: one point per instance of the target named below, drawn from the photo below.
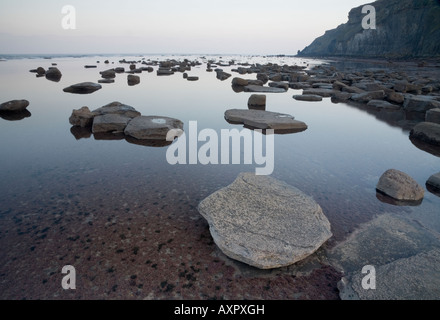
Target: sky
(167, 26)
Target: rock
(342, 96)
(279, 84)
(265, 222)
(153, 127)
(185, 75)
(110, 123)
(337, 85)
(106, 81)
(413, 278)
(263, 77)
(420, 103)
(14, 105)
(262, 89)
(164, 72)
(133, 80)
(434, 181)
(82, 117)
(90, 66)
(108, 74)
(261, 119)
(433, 115)
(299, 85)
(192, 78)
(427, 132)
(41, 71)
(257, 101)
(15, 115)
(221, 75)
(307, 97)
(381, 104)
(395, 97)
(398, 185)
(119, 69)
(403, 86)
(319, 92)
(118, 108)
(240, 82)
(53, 74)
(83, 88)
(367, 96)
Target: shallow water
(128, 220)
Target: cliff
(404, 29)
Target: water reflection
(15, 115)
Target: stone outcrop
(83, 88)
(404, 28)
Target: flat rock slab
(110, 123)
(83, 88)
(428, 132)
(307, 97)
(265, 222)
(153, 128)
(263, 89)
(261, 119)
(381, 104)
(14, 105)
(400, 186)
(118, 108)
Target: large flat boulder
(153, 127)
(265, 222)
(428, 132)
(14, 105)
(261, 119)
(83, 88)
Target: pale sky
(169, 26)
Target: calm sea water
(49, 177)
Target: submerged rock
(83, 88)
(265, 222)
(400, 186)
(434, 181)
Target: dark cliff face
(404, 29)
